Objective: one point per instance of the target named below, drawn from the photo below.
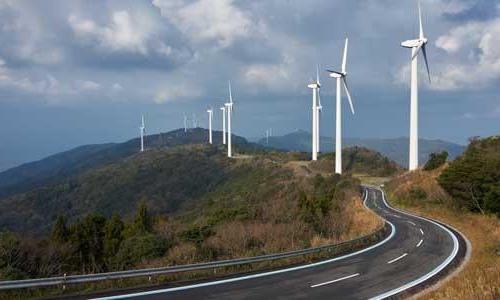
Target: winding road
(416, 252)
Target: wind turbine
(229, 111)
(185, 123)
(195, 122)
(142, 129)
(315, 88)
(415, 45)
(210, 112)
(223, 108)
(341, 78)
(319, 109)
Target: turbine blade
(230, 94)
(336, 72)
(417, 51)
(348, 94)
(421, 34)
(424, 52)
(319, 103)
(317, 73)
(344, 59)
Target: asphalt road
(417, 251)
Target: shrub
(436, 160)
(417, 193)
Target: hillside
(177, 205)
(396, 149)
(169, 180)
(76, 161)
(421, 193)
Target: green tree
(143, 221)
(113, 237)
(60, 233)
(436, 160)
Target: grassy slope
(480, 278)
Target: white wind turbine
(415, 45)
(210, 112)
(341, 80)
(229, 111)
(185, 123)
(142, 129)
(319, 109)
(223, 108)
(315, 88)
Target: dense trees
(473, 180)
(92, 244)
(436, 160)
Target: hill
(396, 149)
(176, 205)
(76, 161)
(169, 180)
(444, 194)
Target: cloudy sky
(77, 72)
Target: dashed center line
(412, 223)
(397, 258)
(420, 243)
(336, 280)
(421, 231)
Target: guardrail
(73, 279)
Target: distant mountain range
(396, 148)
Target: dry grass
(480, 278)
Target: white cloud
(176, 92)
(473, 56)
(87, 85)
(207, 20)
(124, 33)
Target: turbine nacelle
(336, 74)
(314, 85)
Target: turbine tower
(210, 112)
(223, 108)
(341, 78)
(415, 45)
(185, 123)
(319, 109)
(315, 88)
(229, 111)
(142, 129)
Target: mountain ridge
(394, 148)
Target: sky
(82, 72)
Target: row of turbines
(416, 45)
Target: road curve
(416, 251)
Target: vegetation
(178, 205)
(473, 180)
(359, 160)
(424, 193)
(436, 160)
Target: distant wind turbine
(415, 45)
(210, 112)
(229, 111)
(223, 108)
(142, 129)
(341, 78)
(185, 123)
(315, 88)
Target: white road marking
(421, 231)
(336, 280)
(420, 243)
(397, 258)
(258, 275)
(412, 223)
(396, 216)
(438, 269)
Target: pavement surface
(417, 251)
